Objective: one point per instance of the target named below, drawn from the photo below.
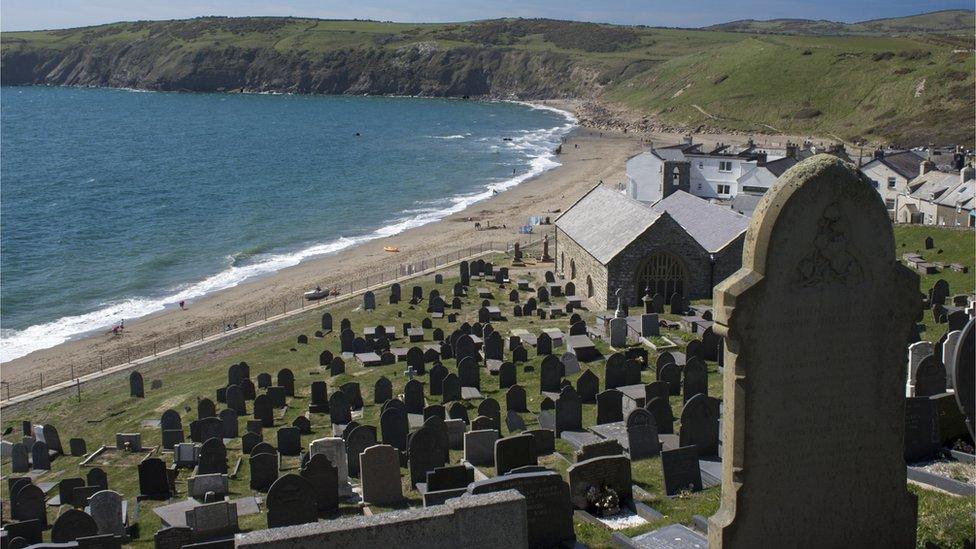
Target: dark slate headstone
(264, 381)
(545, 441)
(609, 406)
(78, 446)
(930, 377)
(394, 427)
(228, 424)
(587, 386)
(153, 482)
(600, 448)
(264, 470)
(489, 408)
(318, 397)
(71, 525)
(696, 378)
(671, 374)
(249, 441)
(324, 478)
(40, 458)
(543, 344)
(426, 453)
(549, 508)
(29, 504)
(514, 422)
(569, 411)
(289, 441)
(514, 451)
(213, 457)
(451, 388)
(550, 374)
(327, 322)
(436, 378)
(206, 408)
(97, 477)
(340, 409)
(263, 410)
(354, 393)
(291, 500)
(457, 410)
(663, 416)
(599, 473)
(921, 429)
(450, 477)
(359, 439)
(469, 374)
(699, 424)
(413, 396)
(642, 438)
(681, 471)
(136, 386)
(235, 399)
(66, 489)
(20, 458)
(382, 390)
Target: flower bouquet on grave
(604, 502)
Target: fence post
(245, 319)
(41, 377)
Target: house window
(699, 186)
(589, 286)
(890, 203)
(725, 166)
(724, 189)
(891, 182)
(875, 183)
(701, 165)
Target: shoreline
(600, 157)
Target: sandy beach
(588, 157)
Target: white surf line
(72, 383)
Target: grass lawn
(104, 407)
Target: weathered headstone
(136, 385)
(513, 452)
(818, 279)
(681, 470)
(379, 469)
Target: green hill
(905, 90)
(945, 21)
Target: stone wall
(470, 521)
(586, 265)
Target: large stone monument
(816, 323)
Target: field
(908, 81)
(104, 408)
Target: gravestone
(696, 378)
(570, 364)
(337, 366)
(642, 439)
(514, 451)
(681, 470)
(819, 243)
(569, 411)
(436, 378)
(106, 508)
(318, 398)
(291, 500)
(382, 390)
(663, 416)
(489, 408)
(425, 453)
(263, 410)
(353, 392)
(379, 468)
(327, 322)
(587, 386)
(153, 481)
(964, 375)
(598, 473)
(228, 424)
(78, 446)
(357, 441)
(394, 293)
(699, 424)
(97, 477)
(264, 381)
(29, 504)
(324, 478)
(479, 447)
(212, 519)
(289, 441)
(609, 406)
(73, 524)
(671, 374)
(413, 396)
(334, 448)
(450, 388)
(206, 408)
(930, 377)
(340, 410)
(249, 441)
(136, 387)
(213, 457)
(550, 374)
(549, 509)
(40, 458)
(543, 345)
(369, 301)
(921, 429)
(507, 375)
(264, 470)
(515, 399)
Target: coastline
(600, 157)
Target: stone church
(680, 244)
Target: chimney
(879, 153)
(761, 159)
(958, 160)
(791, 150)
(966, 174)
(925, 167)
(689, 139)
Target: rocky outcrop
(420, 69)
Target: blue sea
(116, 203)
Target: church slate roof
(711, 225)
(604, 222)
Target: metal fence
(272, 310)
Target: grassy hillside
(945, 21)
(906, 90)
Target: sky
(52, 14)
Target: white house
(891, 172)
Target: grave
(820, 242)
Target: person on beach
(182, 305)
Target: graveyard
(621, 407)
